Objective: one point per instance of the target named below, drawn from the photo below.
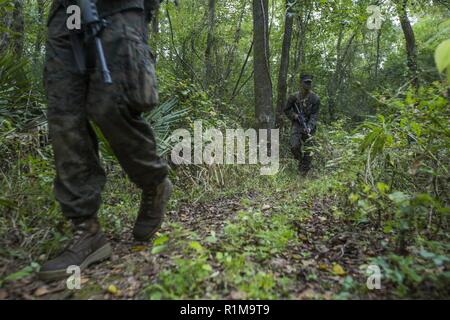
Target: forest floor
(282, 237)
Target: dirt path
(318, 255)
(132, 265)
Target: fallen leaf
(323, 266)
(237, 295)
(41, 291)
(328, 295)
(3, 294)
(322, 248)
(158, 249)
(307, 294)
(27, 296)
(307, 263)
(113, 289)
(278, 262)
(139, 248)
(338, 270)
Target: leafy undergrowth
(282, 237)
(375, 207)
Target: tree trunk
(40, 33)
(6, 21)
(410, 39)
(262, 80)
(209, 69)
(155, 23)
(231, 54)
(334, 85)
(302, 25)
(284, 64)
(12, 23)
(17, 28)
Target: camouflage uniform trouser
(299, 145)
(76, 99)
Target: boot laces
(147, 202)
(79, 232)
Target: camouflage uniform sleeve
(150, 7)
(289, 108)
(314, 114)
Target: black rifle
(302, 121)
(93, 27)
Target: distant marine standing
(302, 108)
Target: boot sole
(148, 236)
(99, 255)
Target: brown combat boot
(152, 210)
(89, 245)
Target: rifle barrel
(301, 120)
(104, 66)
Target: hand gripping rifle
(93, 27)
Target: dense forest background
(378, 193)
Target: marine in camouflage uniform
(76, 98)
(307, 103)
